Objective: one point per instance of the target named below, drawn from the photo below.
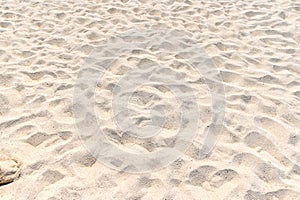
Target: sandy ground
(254, 44)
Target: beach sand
(255, 45)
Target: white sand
(254, 44)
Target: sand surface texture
(255, 45)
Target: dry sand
(254, 45)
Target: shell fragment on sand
(9, 170)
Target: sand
(254, 45)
